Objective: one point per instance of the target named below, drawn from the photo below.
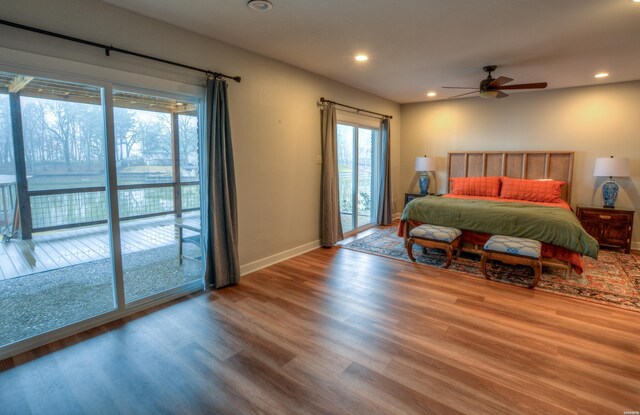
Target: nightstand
(408, 197)
(611, 227)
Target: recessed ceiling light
(635, 1)
(260, 5)
(601, 75)
(361, 58)
(431, 94)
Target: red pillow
(475, 186)
(532, 190)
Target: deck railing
(54, 209)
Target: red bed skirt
(548, 250)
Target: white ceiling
(417, 46)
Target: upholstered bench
(432, 236)
(514, 251)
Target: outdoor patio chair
(191, 239)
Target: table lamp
(612, 167)
(424, 165)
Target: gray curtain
(218, 188)
(330, 224)
(385, 213)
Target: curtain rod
(110, 48)
(355, 108)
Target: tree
(6, 137)
(188, 129)
(59, 131)
(124, 123)
(154, 134)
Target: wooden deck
(58, 249)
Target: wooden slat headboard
(556, 165)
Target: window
(358, 172)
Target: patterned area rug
(613, 279)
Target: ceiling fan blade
(500, 81)
(537, 85)
(466, 93)
(501, 95)
(460, 87)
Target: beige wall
(274, 117)
(593, 122)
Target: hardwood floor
(337, 331)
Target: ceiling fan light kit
(493, 88)
(488, 94)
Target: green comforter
(553, 225)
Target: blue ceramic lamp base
(609, 193)
(424, 183)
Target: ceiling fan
(492, 88)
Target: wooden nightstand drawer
(611, 227)
(613, 217)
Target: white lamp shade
(612, 166)
(425, 163)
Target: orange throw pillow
(475, 186)
(532, 190)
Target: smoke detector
(260, 5)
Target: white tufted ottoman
(514, 251)
(432, 236)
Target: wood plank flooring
(336, 331)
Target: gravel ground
(41, 302)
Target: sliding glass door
(158, 192)
(55, 258)
(93, 226)
(358, 160)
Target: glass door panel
(158, 193)
(358, 157)
(365, 176)
(346, 146)
(55, 259)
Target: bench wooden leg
(427, 243)
(410, 242)
(458, 247)
(537, 270)
(483, 265)
(405, 235)
(449, 250)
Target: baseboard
(397, 216)
(279, 257)
(635, 245)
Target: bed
(481, 215)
